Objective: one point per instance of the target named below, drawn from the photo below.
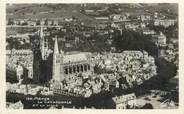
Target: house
(148, 32)
(159, 39)
(165, 22)
(49, 22)
(125, 101)
(103, 19)
(116, 18)
(17, 105)
(31, 23)
(55, 22)
(24, 57)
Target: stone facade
(67, 64)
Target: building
(165, 22)
(125, 101)
(19, 72)
(43, 45)
(22, 57)
(55, 22)
(117, 18)
(159, 39)
(103, 19)
(66, 64)
(132, 26)
(162, 39)
(58, 65)
(148, 32)
(42, 64)
(17, 105)
(32, 23)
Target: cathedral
(64, 65)
(69, 64)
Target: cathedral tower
(57, 73)
(43, 44)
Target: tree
(10, 21)
(25, 23)
(147, 106)
(38, 22)
(131, 40)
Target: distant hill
(40, 11)
(160, 7)
(68, 10)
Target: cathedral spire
(56, 49)
(41, 32)
(56, 62)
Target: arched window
(88, 67)
(74, 69)
(77, 68)
(85, 67)
(70, 70)
(82, 68)
(66, 70)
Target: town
(99, 56)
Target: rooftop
(75, 57)
(124, 98)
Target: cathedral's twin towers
(65, 65)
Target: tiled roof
(74, 57)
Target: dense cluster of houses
(16, 60)
(134, 66)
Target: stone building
(67, 64)
(165, 22)
(57, 65)
(159, 39)
(125, 101)
(22, 57)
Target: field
(23, 11)
(45, 11)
